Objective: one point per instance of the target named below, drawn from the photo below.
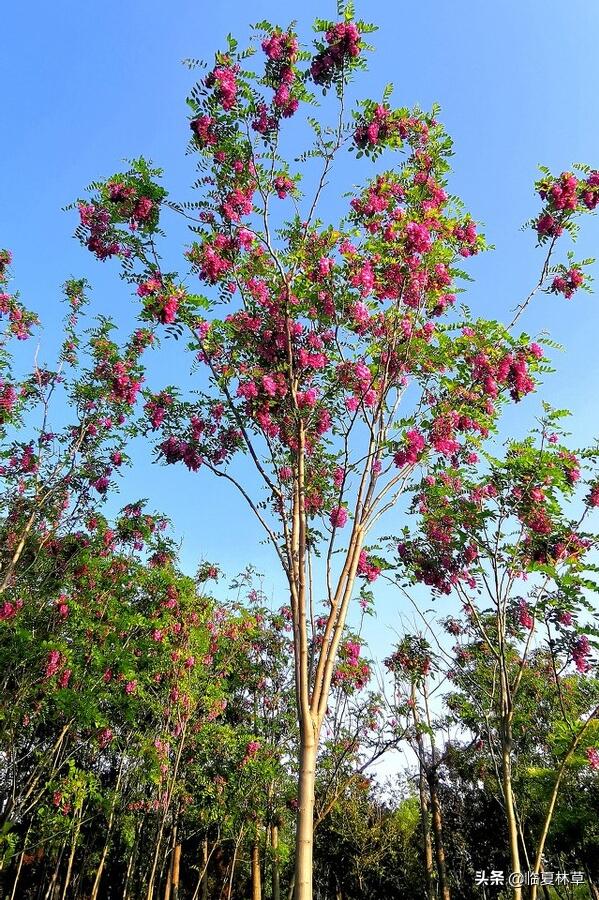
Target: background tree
(506, 542)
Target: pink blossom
(225, 84)
(269, 384)
(307, 398)
(203, 128)
(338, 476)
(8, 610)
(415, 446)
(105, 737)
(524, 616)
(418, 237)
(367, 568)
(64, 678)
(580, 651)
(53, 663)
(248, 390)
(593, 757)
(283, 185)
(338, 517)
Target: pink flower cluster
(20, 320)
(590, 191)
(338, 517)
(581, 650)
(281, 49)
(374, 131)
(214, 257)
(511, 371)
(161, 305)
(265, 122)
(281, 46)
(283, 185)
(97, 220)
(124, 386)
(238, 203)
(563, 196)
(593, 497)
(250, 752)
(411, 660)
(9, 609)
(548, 226)
(5, 261)
(132, 206)
(105, 737)
(433, 562)
(367, 568)
(343, 41)
(568, 282)
(352, 673)
(204, 130)
(177, 450)
(524, 617)
(413, 451)
(223, 80)
(592, 755)
(466, 235)
(54, 661)
(155, 408)
(418, 237)
(8, 398)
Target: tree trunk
(512, 825)
(54, 880)
(256, 874)
(176, 870)
(304, 838)
(438, 833)
(424, 803)
(13, 893)
(130, 864)
(593, 890)
(338, 891)
(170, 873)
(276, 877)
(233, 864)
(291, 891)
(427, 844)
(169, 880)
(155, 858)
(204, 876)
(102, 863)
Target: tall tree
(332, 369)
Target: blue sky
(89, 84)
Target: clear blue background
(85, 85)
